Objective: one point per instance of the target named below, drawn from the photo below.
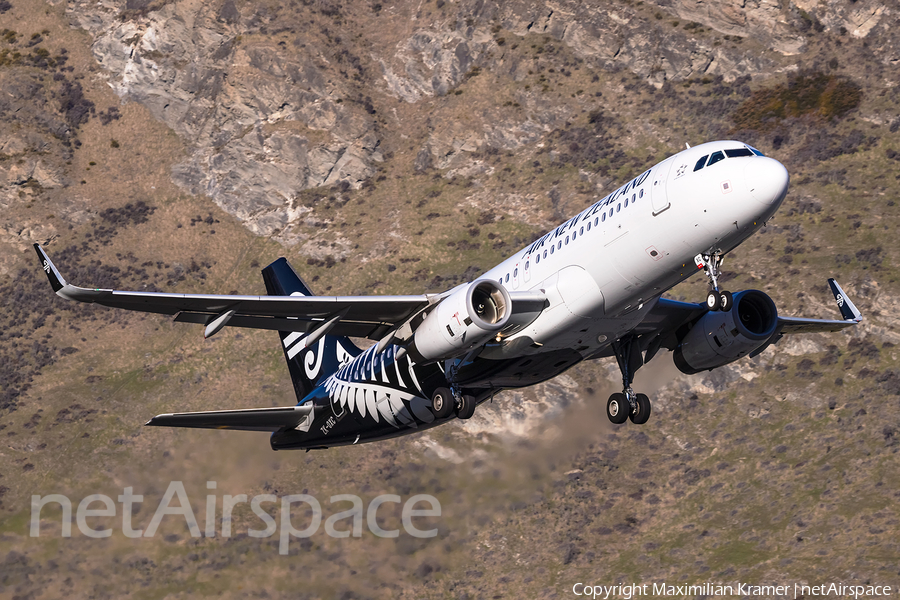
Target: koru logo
(840, 301)
(47, 266)
(312, 362)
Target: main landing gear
(627, 404)
(715, 299)
(444, 402)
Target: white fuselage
(605, 268)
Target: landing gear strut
(711, 264)
(627, 404)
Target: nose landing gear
(627, 404)
(711, 264)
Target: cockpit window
(714, 158)
(701, 162)
(755, 151)
(736, 152)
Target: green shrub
(809, 94)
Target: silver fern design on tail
(374, 386)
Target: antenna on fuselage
(687, 146)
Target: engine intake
(465, 319)
(719, 338)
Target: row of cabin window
(713, 159)
(717, 156)
(575, 234)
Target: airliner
(588, 289)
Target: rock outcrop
(264, 123)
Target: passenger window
(618, 207)
(507, 277)
(552, 248)
(545, 254)
(604, 216)
(633, 198)
(626, 202)
(611, 211)
(589, 225)
(701, 162)
(537, 260)
(581, 231)
(641, 194)
(736, 152)
(596, 220)
(714, 158)
(567, 240)
(516, 272)
(559, 245)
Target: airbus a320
(590, 288)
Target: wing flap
(366, 329)
(248, 419)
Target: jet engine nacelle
(465, 319)
(719, 338)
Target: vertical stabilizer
(308, 366)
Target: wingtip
(56, 280)
(845, 305)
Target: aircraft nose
(767, 180)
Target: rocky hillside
(273, 100)
(394, 148)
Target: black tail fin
(308, 366)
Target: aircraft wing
(359, 316)
(660, 326)
(851, 315)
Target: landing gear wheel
(713, 300)
(726, 301)
(640, 416)
(442, 403)
(466, 407)
(617, 408)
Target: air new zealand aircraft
(590, 288)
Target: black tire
(617, 408)
(442, 403)
(642, 414)
(467, 408)
(713, 300)
(726, 301)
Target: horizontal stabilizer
(249, 419)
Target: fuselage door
(527, 271)
(659, 177)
